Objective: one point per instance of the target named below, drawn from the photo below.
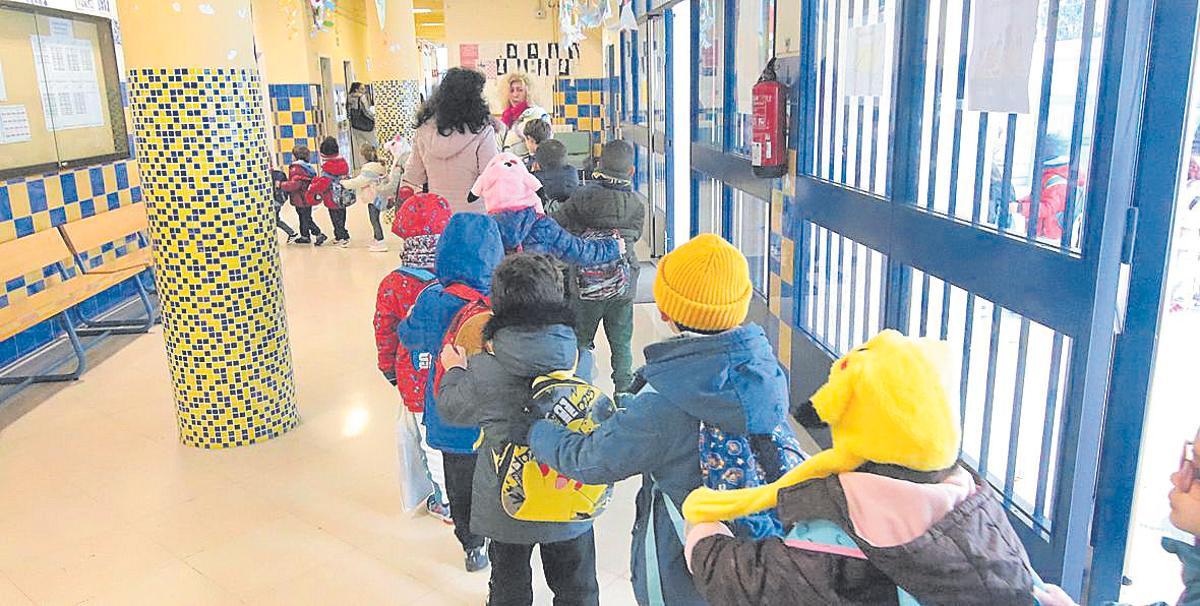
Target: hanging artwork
(538, 59)
(322, 14)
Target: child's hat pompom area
(885, 402)
(505, 184)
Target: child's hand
(454, 357)
(621, 245)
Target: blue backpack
(731, 461)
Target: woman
(454, 139)
(362, 122)
(518, 109)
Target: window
(751, 218)
(752, 49)
(708, 192)
(710, 71)
(60, 99)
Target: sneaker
(378, 246)
(343, 243)
(291, 239)
(321, 238)
(301, 240)
(439, 510)
(477, 559)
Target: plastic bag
(415, 486)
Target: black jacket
(605, 204)
(558, 184)
(971, 556)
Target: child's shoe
(439, 510)
(321, 238)
(343, 243)
(477, 559)
(301, 240)
(291, 239)
(378, 246)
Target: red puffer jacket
(397, 293)
(300, 176)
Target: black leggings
(460, 475)
(376, 226)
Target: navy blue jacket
(467, 253)
(536, 233)
(731, 379)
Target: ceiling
(430, 17)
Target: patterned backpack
(731, 461)
(534, 492)
(603, 281)
(329, 188)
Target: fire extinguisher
(768, 139)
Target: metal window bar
(1081, 97)
(1035, 183)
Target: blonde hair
(505, 87)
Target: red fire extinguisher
(768, 139)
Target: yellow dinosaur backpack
(530, 490)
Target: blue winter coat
(467, 253)
(540, 234)
(1189, 555)
(731, 379)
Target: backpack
(731, 461)
(466, 327)
(329, 188)
(603, 281)
(412, 371)
(278, 195)
(530, 490)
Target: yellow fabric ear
(707, 505)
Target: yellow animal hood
(885, 402)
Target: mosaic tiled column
(201, 147)
(394, 67)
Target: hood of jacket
(305, 167)
(444, 147)
(335, 165)
(469, 251)
(515, 225)
(534, 350)
(731, 379)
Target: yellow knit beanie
(704, 284)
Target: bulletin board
(60, 100)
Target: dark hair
(538, 130)
(526, 280)
(300, 152)
(616, 156)
(356, 86)
(329, 146)
(369, 153)
(551, 154)
(457, 103)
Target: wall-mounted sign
(538, 59)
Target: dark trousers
(307, 225)
(617, 315)
(460, 475)
(281, 224)
(376, 226)
(569, 566)
(338, 217)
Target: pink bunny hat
(506, 184)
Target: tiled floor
(99, 504)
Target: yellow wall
(289, 46)
(469, 21)
(210, 34)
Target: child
(300, 175)
(334, 166)
(559, 179)
(467, 253)
(420, 222)
(510, 195)
(887, 507)
(536, 132)
(370, 188)
(530, 335)
(609, 203)
(280, 197)
(716, 370)
(1185, 515)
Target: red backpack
(466, 328)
